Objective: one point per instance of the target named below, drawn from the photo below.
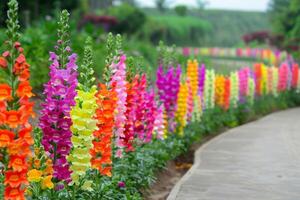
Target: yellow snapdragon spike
(182, 107)
(192, 74)
(234, 88)
(264, 82)
(197, 109)
(79, 153)
(83, 127)
(275, 81)
(80, 169)
(251, 89)
(220, 90)
(87, 186)
(47, 182)
(34, 175)
(209, 89)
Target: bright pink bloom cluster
(283, 77)
(150, 108)
(243, 83)
(159, 126)
(118, 82)
(140, 99)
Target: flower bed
(107, 140)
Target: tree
(162, 4)
(285, 19)
(130, 2)
(181, 10)
(278, 10)
(37, 9)
(130, 18)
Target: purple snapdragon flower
(55, 120)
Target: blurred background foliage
(143, 28)
(285, 19)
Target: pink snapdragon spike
(186, 51)
(139, 106)
(159, 126)
(243, 83)
(140, 99)
(149, 116)
(55, 120)
(145, 110)
(118, 82)
(283, 77)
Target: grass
(219, 27)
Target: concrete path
(256, 161)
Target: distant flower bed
(104, 21)
(272, 57)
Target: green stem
(55, 153)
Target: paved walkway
(257, 161)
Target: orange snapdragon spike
(5, 92)
(227, 93)
(20, 64)
(12, 193)
(25, 134)
(37, 163)
(15, 179)
(2, 118)
(2, 109)
(3, 62)
(48, 170)
(16, 139)
(258, 80)
(24, 90)
(18, 147)
(18, 163)
(26, 109)
(13, 118)
(2, 106)
(6, 137)
(106, 171)
(102, 149)
(24, 75)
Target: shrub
(181, 10)
(130, 19)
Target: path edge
(197, 158)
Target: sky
(252, 5)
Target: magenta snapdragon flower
(55, 120)
(168, 87)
